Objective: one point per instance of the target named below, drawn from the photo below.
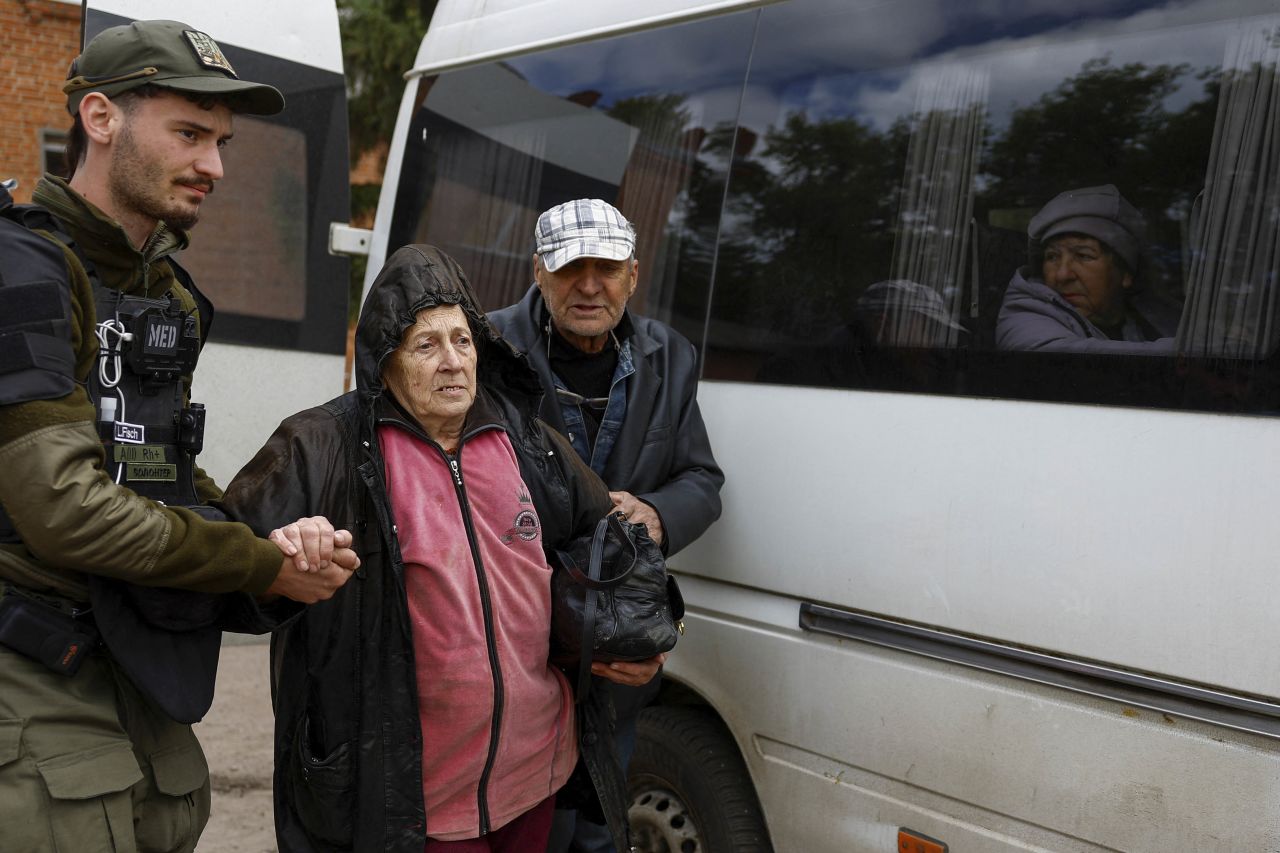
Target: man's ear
(537, 270)
(635, 277)
(99, 117)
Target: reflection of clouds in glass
(1022, 73)
(841, 58)
(689, 57)
(760, 107)
(854, 36)
(843, 34)
(1021, 69)
(880, 106)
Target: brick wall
(38, 40)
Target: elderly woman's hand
(630, 673)
(310, 542)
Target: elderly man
(622, 387)
(1081, 293)
(115, 576)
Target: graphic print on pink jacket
(497, 719)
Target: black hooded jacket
(348, 743)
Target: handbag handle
(589, 600)
(594, 562)
(592, 582)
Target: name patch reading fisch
(130, 433)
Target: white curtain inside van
(1232, 286)
(935, 208)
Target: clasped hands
(318, 560)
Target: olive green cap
(169, 54)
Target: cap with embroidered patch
(168, 54)
(585, 228)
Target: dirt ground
(236, 736)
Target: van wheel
(690, 792)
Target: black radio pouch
(43, 633)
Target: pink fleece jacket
(535, 748)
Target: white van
(961, 597)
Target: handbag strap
(592, 580)
(590, 600)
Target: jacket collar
(118, 264)
(485, 414)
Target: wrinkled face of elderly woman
(433, 372)
(1088, 275)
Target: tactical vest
(151, 437)
(167, 640)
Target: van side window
(642, 121)
(895, 177)
(877, 199)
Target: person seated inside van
(902, 313)
(1082, 290)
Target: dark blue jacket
(663, 455)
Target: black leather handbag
(612, 599)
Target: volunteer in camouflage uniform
(111, 604)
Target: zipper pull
(457, 474)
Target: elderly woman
(416, 710)
(1079, 293)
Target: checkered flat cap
(587, 227)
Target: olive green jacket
(71, 517)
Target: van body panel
(981, 520)
(891, 739)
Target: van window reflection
(1083, 289)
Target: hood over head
(418, 277)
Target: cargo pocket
(322, 789)
(22, 794)
(90, 808)
(175, 812)
(10, 741)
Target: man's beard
(141, 185)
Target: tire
(689, 788)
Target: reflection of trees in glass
(700, 223)
(672, 192)
(814, 216)
(657, 173)
(661, 119)
(817, 207)
(1109, 125)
